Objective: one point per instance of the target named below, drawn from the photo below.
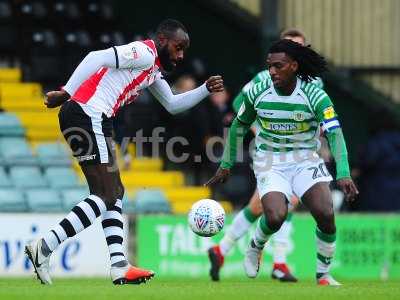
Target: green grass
(88, 289)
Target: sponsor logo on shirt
(298, 116)
(285, 127)
(86, 157)
(135, 54)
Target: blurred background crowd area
(43, 41)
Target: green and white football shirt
(287, 123)
(261, 76)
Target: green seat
(53, 154)
(72, 196)
(4, 179)
(16, 151)
(12, 200)
(10, 125)
(43, 200)
(61, 177)
(27, 177)
(128, 205)
(151, 201)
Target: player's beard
(165, 59)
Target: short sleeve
(135, 55)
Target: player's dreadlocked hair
(169, 27)
(311, 64)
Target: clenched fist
(56, 98)
(215, 84)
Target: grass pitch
(231, 289)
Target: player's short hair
(292, 32)
(169, 26)
(311, 64)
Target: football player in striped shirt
(102, 83)
(248, 215)
(288, 112)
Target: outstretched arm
(327, 116)
(337, 145)
(338, 148)
(181, 102)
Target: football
(206, 217)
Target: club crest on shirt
(298, 116)
(135, 54)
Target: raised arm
(181, 102)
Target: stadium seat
(237, 189)
(43, 200)
(4, 179)
(9, 38)
(99, 10)
(75, 44)
(12, 200)
(40, 125)
(20, 90)
(66, 11)
(100, 15)
(185, 193)
(42, 119)
(10, 74)
(43, 134)
(53, 154)
(72, 196)
(181, 207)
(61, 177)
(182, 198)
(10, 125)
(144, 164)
(109, 38)
(6, 13)
(128, 206)
(16, 151)
(151, 201)
(27, 177)
(152, 179)
(44, 68)
(21, 104)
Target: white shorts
(291, 178)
